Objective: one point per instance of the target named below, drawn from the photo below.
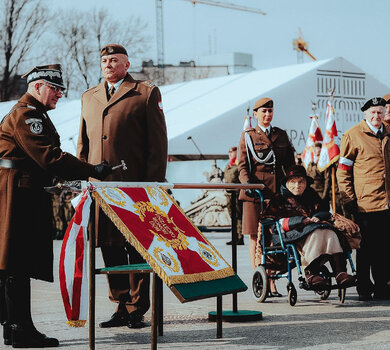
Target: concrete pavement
(310, 324)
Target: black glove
(102, 170)
(351, 209)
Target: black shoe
(118, 319)
(365, 297)
(32, 339)
(136, 320)
(274, 295)
(7, 334)
(239, 242)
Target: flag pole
(333, 174)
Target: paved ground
(310, 324)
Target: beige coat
(366, 177)
(131, 126)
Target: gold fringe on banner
(76, 323)
(190, 278)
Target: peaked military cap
(265, 102)
(373, 102)
(110, 49)
(387, 98)
(50, 73)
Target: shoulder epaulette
(148, 83)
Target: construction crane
(301, 46)
(160, 28)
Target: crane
(301, 46)
(160, 28)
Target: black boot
(23, 331)
(339, 268)
(3, 311)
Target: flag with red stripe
(330, 151)
(73, 270)
(315, 135)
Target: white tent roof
(212, 111)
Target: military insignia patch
(160, 105)
(36, 126)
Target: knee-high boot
(4, 320)
(18, 299)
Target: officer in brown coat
(122, 119)
(264, 154)
(363, 176)
(30, 157)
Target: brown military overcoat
(130, 127)
(363, 173)
(28, 137)
(254, 172)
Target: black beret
(373, 102)
(111, 49)
(263, 102)
(50, 73)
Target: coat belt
(11, 164)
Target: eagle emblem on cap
(375, 101)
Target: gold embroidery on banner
(114, 195)
(169, 280)
(165, 229)
(156, 191)
(165, 260)
(207, 254)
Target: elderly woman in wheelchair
(299, 217)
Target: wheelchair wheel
(260, 284)
(342, 295)
(292, 294)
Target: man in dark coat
(122, 119)
(30, 157)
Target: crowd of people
(122, 119)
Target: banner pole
(333, 189)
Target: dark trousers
(131, 290)
(373, 255)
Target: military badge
(160, 105)
(36, 126)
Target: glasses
(56, 89)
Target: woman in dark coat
(304, 220)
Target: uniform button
(104, 137)
(272, 172)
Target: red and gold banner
(156, 226)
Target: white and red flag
(315, 135)
(73, 269)
(330, 151)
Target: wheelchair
(289, 253)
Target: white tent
(212, 111)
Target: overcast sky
(357, 30)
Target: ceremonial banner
(315, 135)
(330, 151)
(73, 264)
(157, 227)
